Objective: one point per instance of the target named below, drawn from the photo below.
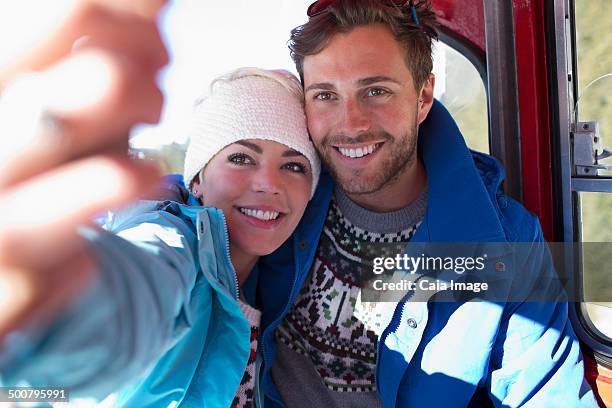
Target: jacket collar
(213, 255)
(460, 208)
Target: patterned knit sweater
(327, 343)
(245, 393)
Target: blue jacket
(173, 295)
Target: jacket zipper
(229, 258)
(276, 322)
(391, 327)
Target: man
(399, 171)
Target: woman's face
(262, 187)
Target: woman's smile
(261, 216)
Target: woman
(167, 302)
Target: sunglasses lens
(318, 7)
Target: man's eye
(324, 96)
(376, 92)
(240, 159)
(295, 167)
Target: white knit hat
(249, 103)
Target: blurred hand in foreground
(66, 110)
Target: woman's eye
(376, 92)
(240, 159)
(295, 167)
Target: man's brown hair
(343, 15)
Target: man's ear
(426, 97)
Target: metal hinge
(588, 150)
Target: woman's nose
(267, 180)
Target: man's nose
(267, 180)
(355, 118)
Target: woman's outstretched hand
(66, 110)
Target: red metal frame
(599, 377)
(534, 110)
(465, 19)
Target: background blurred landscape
(594, 43)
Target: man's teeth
(359, 152)
(259, 214)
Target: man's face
(363, 109)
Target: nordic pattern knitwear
(328, 322)
(246, 391)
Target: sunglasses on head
(321, 6)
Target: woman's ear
(196, 185)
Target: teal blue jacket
(160, 325)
